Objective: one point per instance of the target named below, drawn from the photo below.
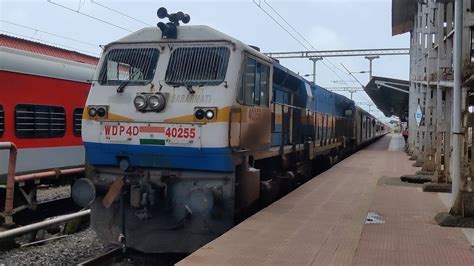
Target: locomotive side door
(254, 96)
(235, 117)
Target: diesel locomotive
(186, 127)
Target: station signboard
(418, 115)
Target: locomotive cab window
(134, 66)
(255, 84)
(197, 66)
(39, 121)
(2, 121)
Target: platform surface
(323, 222)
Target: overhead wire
(287, 23)
(289, 33)
(352, 75)
(49, 33)
(360, 83)
(89, 16)
(279, 24)
(258, 4)
(140, 21)
(302, 36)
(81, 4)
(50, 43)
(120, 13)
(297, 32)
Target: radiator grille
(39, 121)
(77, 121)
(197, 66)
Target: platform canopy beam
(339, 53)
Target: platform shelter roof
(403, 15)
(390, 96)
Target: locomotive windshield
(136, 66)
(197, 66)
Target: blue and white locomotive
(185, 128)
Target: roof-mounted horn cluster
(169, 30)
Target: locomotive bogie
(184, 209)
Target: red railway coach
(42, 93)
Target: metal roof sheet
(390, 96)
(40, 48)
(403, 15)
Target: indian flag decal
(157, 139)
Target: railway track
(44, 210)
(130, 257)
(106, 258)
(18, 231)
(31, 225)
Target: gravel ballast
(53, 193)
(71, 249)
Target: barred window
(77, 121)
(137, 66)
(39, 121)
(197, 66)
(2, 121)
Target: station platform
(326, 222)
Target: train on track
(42, 97)
(186, 127)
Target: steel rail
(103, 259)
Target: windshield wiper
(189, 88)
(122, 86)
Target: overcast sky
(326, 24)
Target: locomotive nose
(83, 192)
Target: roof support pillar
(315, 60)
(457, 92)
(371, 58)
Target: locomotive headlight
(101, 112)
(210, 114)
(140, 102)
(199, 114)
(156, 102)
(92, 111)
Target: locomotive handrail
(7, 212)
(305, 109)
(292, 106)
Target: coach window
(39, 121)
(2, 120)
(77, 121)
(255, 85)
